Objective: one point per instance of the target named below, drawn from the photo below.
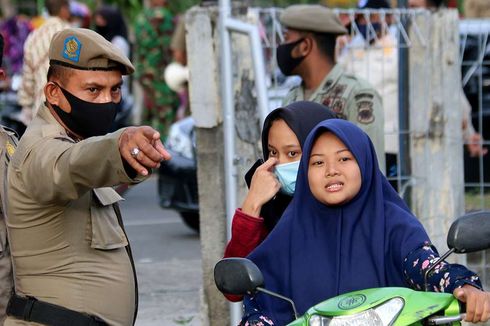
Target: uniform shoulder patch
(365, 111)
(335, 100)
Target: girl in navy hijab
(347, 229)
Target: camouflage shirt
(154, 29)
(351, 98)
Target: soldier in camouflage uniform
(154, 29)
(309, 51)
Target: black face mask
(87, 119)
(285, 61)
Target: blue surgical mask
(286, 174)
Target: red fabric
(247, 232)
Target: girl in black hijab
(110, 23)
(271, 183)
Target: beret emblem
(71, 49)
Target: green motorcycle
(372, 307)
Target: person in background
(179, 56)
(153, 32)
(177, 44)
(36, 63)
(15, 31)
(109, 23)
(8, 142)
(309, 51)
(80, 14)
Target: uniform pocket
(107, 234)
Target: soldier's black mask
(285, 60)
(87, 119)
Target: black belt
(31, 309)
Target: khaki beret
(84, 49)
(314, 18)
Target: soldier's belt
(31, 309)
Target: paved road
(167, 257)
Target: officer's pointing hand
(142, 148)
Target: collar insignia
(10, 148)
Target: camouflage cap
(84, 49)
(314, 18)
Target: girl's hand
(263, 187)
(477, 303)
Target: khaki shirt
(67, 242)
(8, 142)
(5, 271)
(476, 8)
(352, 99)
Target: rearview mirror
(237, 276)
(470, 233)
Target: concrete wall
(205, 102)
(435, 124)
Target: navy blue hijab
(316, 251)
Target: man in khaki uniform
(72, 261)
(8, 141)
(309, 51)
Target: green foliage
(181, 6)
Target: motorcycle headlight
(382, 315)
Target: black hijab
(301, 117)
(115, 24)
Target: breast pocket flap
(107, 234)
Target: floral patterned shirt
(444, 278)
